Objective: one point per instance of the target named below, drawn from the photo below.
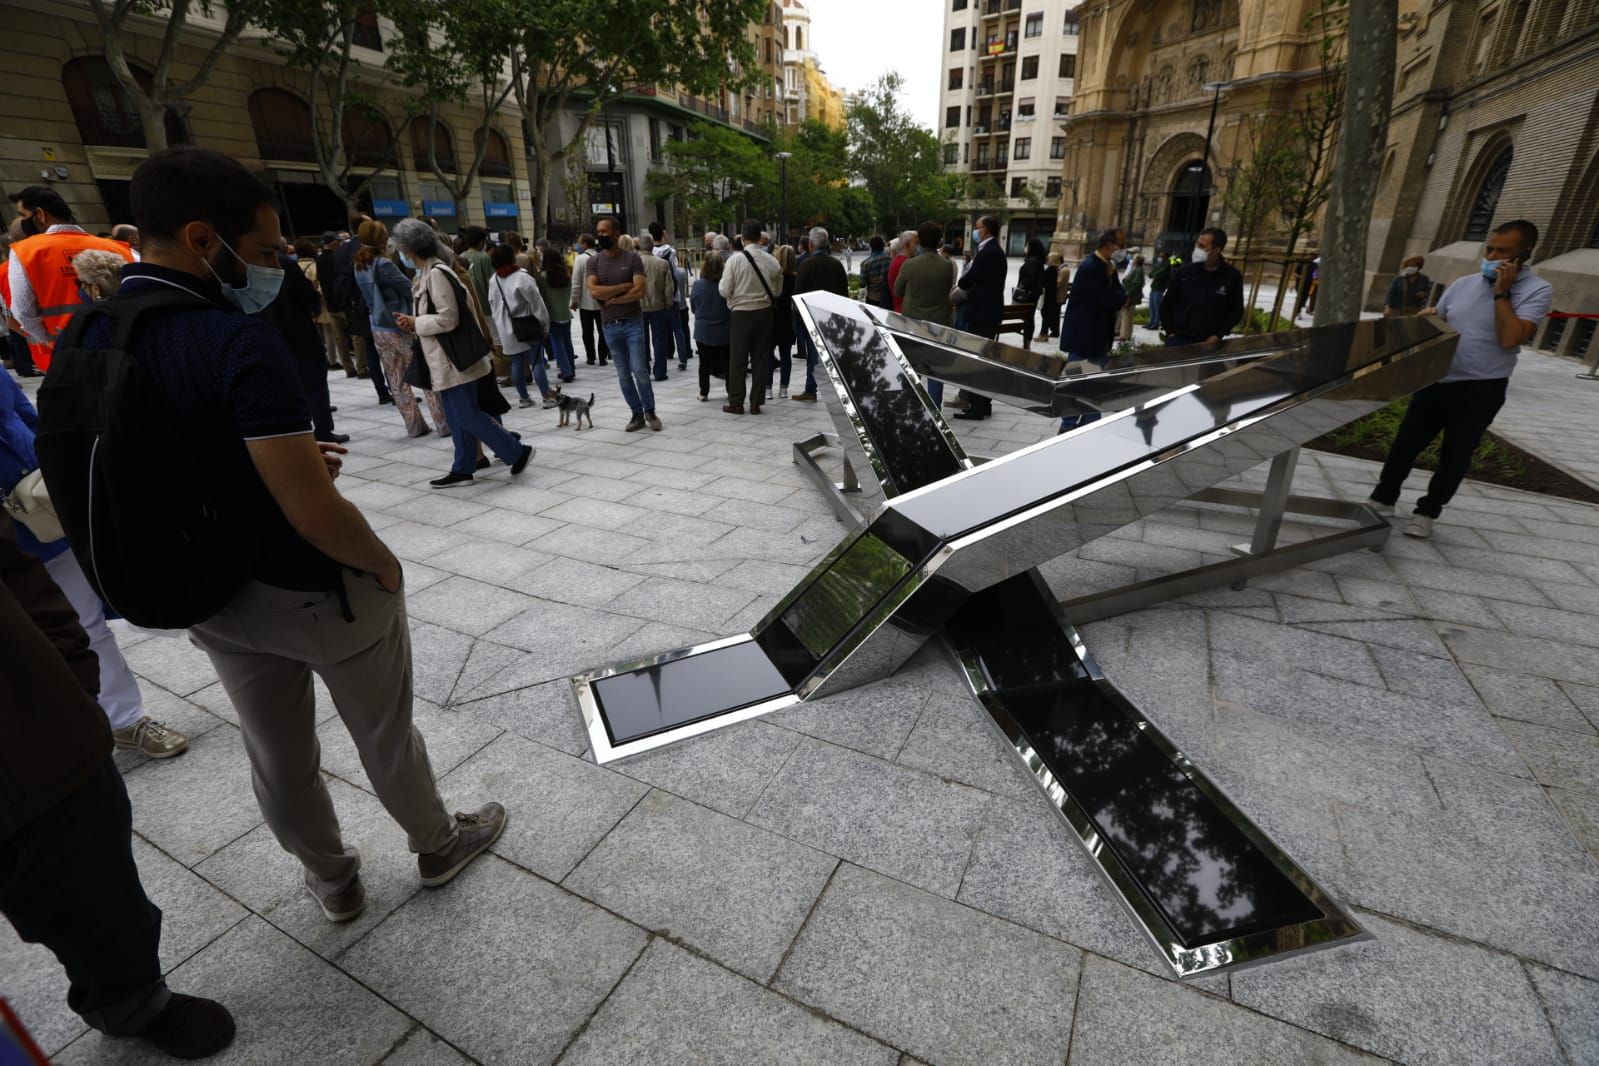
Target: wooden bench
(1019, 318)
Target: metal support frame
(836, 493)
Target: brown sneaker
(804, 397)
(342, 906)
(474, 833)
(651, 421)
(150, 737)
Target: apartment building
(807, 92)
(1008, 72)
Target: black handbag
(465, 345)
(416, 371)
(526, 327)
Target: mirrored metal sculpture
(943, 546)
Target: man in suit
(984, 285)
(1089, 326)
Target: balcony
(996, 47)
(991, 9)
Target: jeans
(468, 425)
(682, 337)
(1462, 411)
(662, 326)
(630, 351)
(935, 389)
(807, 349)
(592, 325)
(520, 361)
(558, 346)
(119, 689)
(1155, 297)
(784, 365)
(67, 881)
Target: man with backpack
(247, 543)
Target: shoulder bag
(525, 327)
(29, 504)
(465, 345)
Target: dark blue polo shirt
(227, 379)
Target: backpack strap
(124, 311)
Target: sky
(859, 40)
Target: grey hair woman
(443, 312)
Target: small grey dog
(574, 409)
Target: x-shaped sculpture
(949, 550)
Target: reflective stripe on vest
(47, 260)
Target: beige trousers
(265, 646)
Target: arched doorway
(1483, 205)
(1190, 205)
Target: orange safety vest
(47, 260)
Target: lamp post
(1214, 88)
(782, 162)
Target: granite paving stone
(1569, 626)
(932, 977)
(1399, 995)
(573, 581)
(1557, 756)
(173, 663)
(558, 807)
(193, 912)
(875, 718)
(1126, 1016)
(35, 986)
(546, 713)
(1316, 652)
(1406, 634)
(437, 655)
(256, 871)
(683, 603)
(465, 605)
(1573, 1006)
(1552, 659)
(484, 662)
(889, 818)
(561, 639)
(955, 740)
(422, 1048)
(216, 769)
(674, 1008)
(450, 739)
(726, 770)
(505, 966)
(1581, 811)
(721, 886)
(1586, 697)
(289, 1006)
(1526, 698)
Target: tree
(566, 52)
(164, 93)
(817, 174)
(455, 53)
(1373, 31)
(1263, 180)
(317, 36)
(707, 174)
(899, 161)
(1315, 138)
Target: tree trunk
(153, 120)
(1368, 96)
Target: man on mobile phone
(1496, 311)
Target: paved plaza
(872, 878)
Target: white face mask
(1410, 271)
(1200, 255)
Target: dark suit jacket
(294, 312)
(1089, 326)
(985, 281)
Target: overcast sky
(859, 40)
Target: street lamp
(1215, 89)
(782, 161)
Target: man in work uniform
(1159, 276)
(44, 287)
(1205, 299)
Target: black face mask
(30, 227)
(605, 243)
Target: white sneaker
(1420, 527)
(1384, 510)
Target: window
(1052, 188)
(1068, 65)
(966, 152)
(1060, 106)
(960, 5)
(952, 117)
(282, 123)
(957, 77)
(1018, 186)
(1071, 27)
(1024, 110)
(419, 146)
(1487, 198)
(366, 33)
(957, 40)
(1029, 68)
(368, 142)
(104, 114)
(1057, 148)
(1024, 148)
(951, 153)
(655, 140)
(1034, 26)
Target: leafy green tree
(708, 173)
(899, 161)
(317, 37)
(574, 52)
(165, 92)
(817, 175)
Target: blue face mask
(1490, 269)
(260, 288)
(977, 236)
(405, 259)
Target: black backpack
(164, 537)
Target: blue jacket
(18, 423)
(1089, 325)
(386, 292)
(711, 316)
(985, 281)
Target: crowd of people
(199, 331)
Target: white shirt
(580, 271)
(24, 304)
(516, 295)
(741, 287)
